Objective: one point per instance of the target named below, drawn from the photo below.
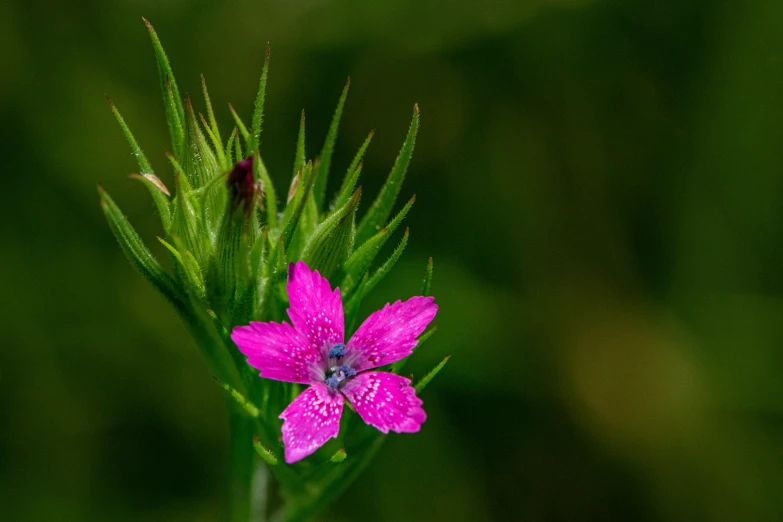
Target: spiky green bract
(352, 175)
(332, 241)
(254, 135)
(368, 283)
(264, 453)
(427, 378)
(212, 128)
(135, 250)
(175, 111)
(361, 259)
(425, 290)
(382, 206)
(144, 165)
(319, 189)
(240, 399)
(398, 366)
(188, 265)
(240, 125)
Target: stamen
(338, 350)
(347, 370)
(332, 381)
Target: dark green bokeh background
(599, 182)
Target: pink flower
(313, 351)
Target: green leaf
(203, 167)
(229, 144)
(189, 267)
(369, 283)
(175, 112)
(330, 244)
(319, 189)
(241, 126)
(141, 159)
(382, 206)
(202, 164)
(427, 378)
(298, 204)
(352, 175)
(361, 259)
(160, 195)
(240, 399)
(299, 156)
(186, 223)
(338, 456)
(397, 366)
(427, 279)
(213, 127)
(264, 453)
(221, 156)
(135, 251)
(254, 136)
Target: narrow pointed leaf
(175, 111)
(299, 156)
(352, 175)
(213, 126)
(299, 202)
(230, 145)
(220, 155)
(240, 399)
(330, 244)
(369, 283)
(427, 378)
(189, 267)
(264, 453)
(319, 189)
(141, 159)
(254, 136)
(363, 257)
(240, 125)
(159, 194)
(135, 250)
(376, 216)
(427, 279)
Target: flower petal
(311, 420)
(316, 311)
(385, 401)
(390, 334)
(279, 351)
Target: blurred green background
(599, 182)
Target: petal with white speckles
(390, 334)
(385, 401)
(316, 311)
(311, 420)
(279, 351)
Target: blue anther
(332, 381)
(338, 350)
(347, 370)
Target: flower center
(337, 372)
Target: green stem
(242, 468)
